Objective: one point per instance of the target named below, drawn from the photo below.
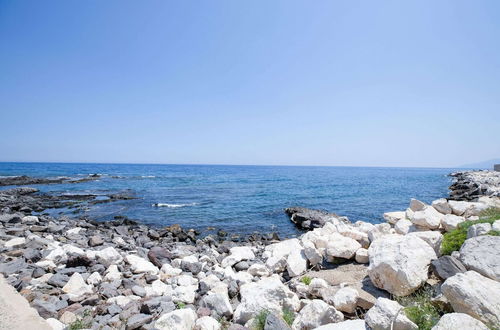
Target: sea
(239, 199)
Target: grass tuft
(453, 240)
(288, 316)
(306, 280)
(180, 305)
(419, 309)
(260, 319)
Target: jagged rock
(416, 205)
(394, 217)
(315, 314)
(454, 321)
(403, 226)
(207, 323)
(258, 270)
(217, 302)
(447, 266)
(442, 206)
(450, 221)
(95, 240)
(181, 319)
(141, 265)
(76, 287)
(296, 263)
(138, 320)
(481, 254)
(475, 295)
(268, 293)
(236, 255)
(341, 247)
(399, 264)
(108, 256)
(312, 254)
(362, 256)
(428, 217)
(387, 314)
(478, 230)
(346, 299)
(433, 238)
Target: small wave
(173, 205)
(148, 176)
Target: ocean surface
(241, 199)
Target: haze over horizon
(274, 83)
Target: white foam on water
(173, 205)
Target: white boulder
(433, 238)
(475, 295)
(108, 256)
(416, 205)
(76, 287)
(207, 323)
(387, 314)
(399, 264)
(346, 299)
(237, 254)
(393, 217)
(428, 217)
(481, 254)
(315, 314)
(403, 226)
(341, 247)
(450, 221)
(15, 242)
(180, 319)
(344, 325)
(268, 293)
(455, 321)
(362, 256)
(140, 265)
(478, 229)
(296, 263)
(442, 206)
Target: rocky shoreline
(79, 273)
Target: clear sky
(362, 83)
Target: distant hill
(487, 164)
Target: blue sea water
(242, 199)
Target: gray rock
(58, 280)
(447, 266)
(138, 320)
(480, 253)
(12, 267)
(274, 322)
(139, 291)
(114, 309)
(95, 240)
(159, 256)
(44, 308)
(242, 265)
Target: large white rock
(475, 295)
(315, 314)
(481, 254)
(496, 225)
(450, 221)
(277, 254)
(296, 263)
(433, 238)
(237, 254)
(344, 325)
(403, 226)
(180, 319)
(427, 218)
(399, 264)
(185, 294)
(455, 321)
(393, 217)
(442, 206)
(341, 247)
(379, 230)
(112, 273)
(57, 255)
(55, 324)
(76, 287)
(258, 270)
(158, 288)
(94, 278)
(458, 207)
(207, 323)
(268, 293)
(140, 265)
(346, 299)
(382, 316)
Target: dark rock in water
(447, 266)
(78, 261)
(274, 322)
(58, 280)
(305, 218)
(138, 320)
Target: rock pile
(124, 275)
(470, 185)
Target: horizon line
(208, 164)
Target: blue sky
(362, 83)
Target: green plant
(419, 308)
(180, 305)
(288, 316)
(260, 320)
(453, 240)
(306, 280)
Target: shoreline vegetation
(427, 267)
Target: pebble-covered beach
(79, 273)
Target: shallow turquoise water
(243, 199)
